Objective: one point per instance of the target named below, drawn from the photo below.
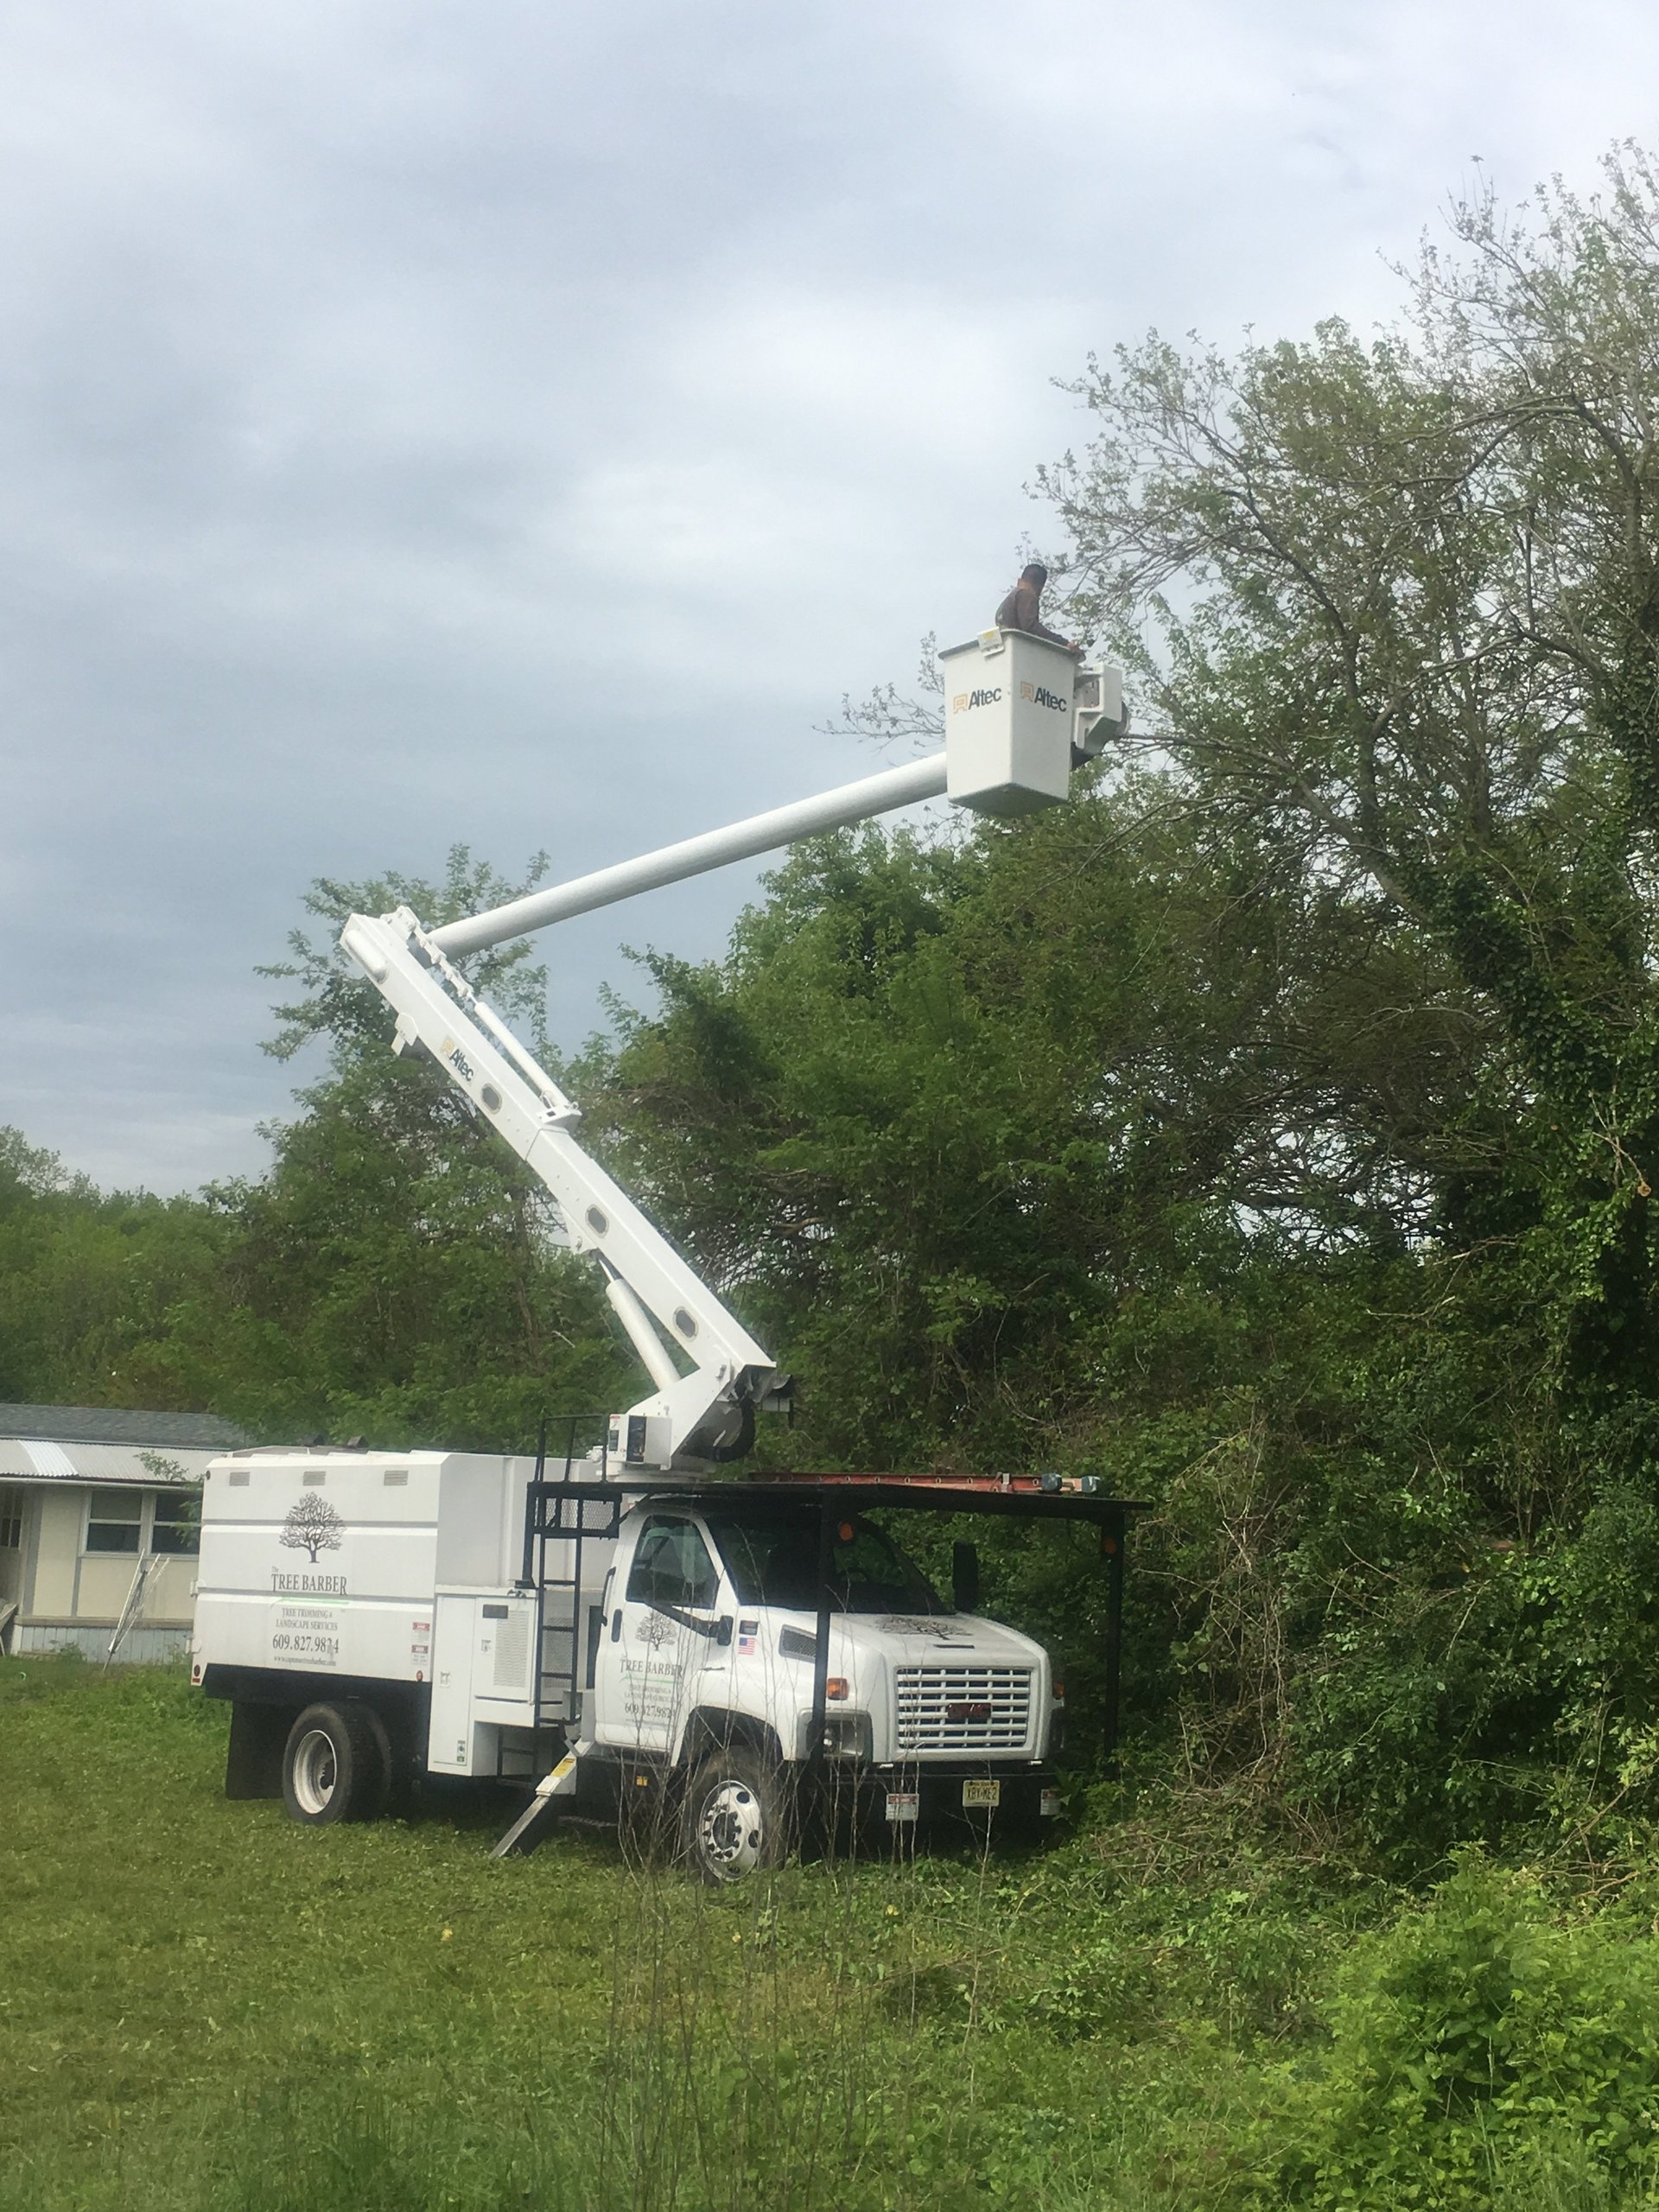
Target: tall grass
(204, 2009)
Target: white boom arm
(1009, 748)
(703, 1414)
(761, 833)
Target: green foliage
(394, 1276)
(1419, 585)
(89, 1283)
(1275, 1130)
(1481, 2037)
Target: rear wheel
(734, 1816)
(337, 1765)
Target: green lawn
(202, 2006)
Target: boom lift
(1020, 713)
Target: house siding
(57, 1552)
(144, 1646)
(66, 1595)
(61, 1457)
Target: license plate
(903, 1804)
(988, 1794)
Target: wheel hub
(316, 1772)
(730, 1831)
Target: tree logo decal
(312, 1526)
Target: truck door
(662, 1632)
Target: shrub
(1475, 2038)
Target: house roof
(101, 1443)
(111, 1425)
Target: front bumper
(950, 1792)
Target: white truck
(734, 1651)
(638, 1626)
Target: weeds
(204, 2009)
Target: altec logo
(1040, 695)
(963, 701)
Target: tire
(337, 1765)
(735, 1817)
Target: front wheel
(734, 1818)
(337, 1765)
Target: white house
(99, 1515)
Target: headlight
(846, 1736)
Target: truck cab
(710, 1648)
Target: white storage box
(1009, 715)
(329, 1561)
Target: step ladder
(568, 1627)
(568, 1630)
(135, 1604)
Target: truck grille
(964, 1708)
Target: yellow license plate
(981, 1793)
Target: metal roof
(113, 1425)
(36, 1460)
(101, 1443)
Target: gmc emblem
(958, 1713)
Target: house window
(177, 1525)
(114, 1518)
(11, 1519)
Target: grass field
(204, 2007)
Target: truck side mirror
(964, 1577)
(723, 1630)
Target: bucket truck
(641, 1624)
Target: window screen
(672, 1566)
(113, 1520)
(11, 1519)
(177, 1525)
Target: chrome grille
(964, 1708)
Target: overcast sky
(518, 423)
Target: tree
(1399, 604)
(397, 1273)
(312, 1526)
(89, 1280)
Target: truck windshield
(773, 1559)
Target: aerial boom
(740, 841)
(1025, 714)
(704, 1402)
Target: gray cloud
(520, 425)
